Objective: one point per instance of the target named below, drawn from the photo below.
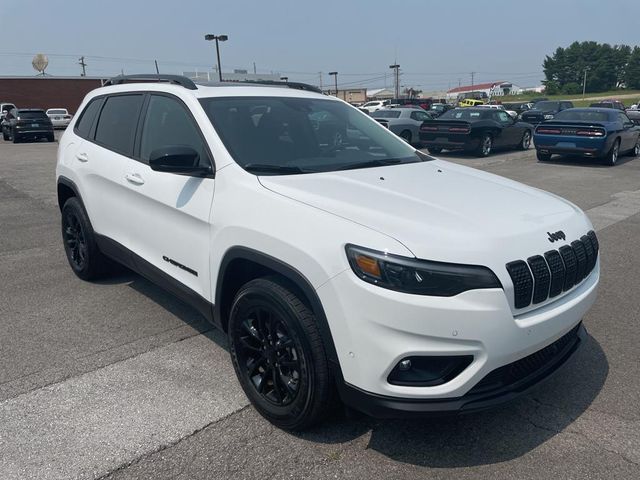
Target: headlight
(548, 116)
(420, 277)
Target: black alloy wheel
(525, 143)
(269, 356)
(75, 242)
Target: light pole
(284, 79)
(335, 79)
(396, 69)
(217, 38)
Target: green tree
(632, 72)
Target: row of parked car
(21, 124)
(604, 130)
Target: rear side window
(83, 127)
(167, 123)
(116, 128)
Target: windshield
(582, 116)
(29, 115)
(386, 114)
(464, 114)
(547, 106)
(284, 135)
(437, 107)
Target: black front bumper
(499, 386)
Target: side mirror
(178, 159)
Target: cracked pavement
(119, 380)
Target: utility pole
(473, 74)
(157, 69)
(320, 76)
(254, 68)
(584, 82)
(396, 69)
(335, 79)
(83, 65)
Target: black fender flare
(69, 184)
(291, 274)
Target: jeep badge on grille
(559, 235)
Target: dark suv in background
(545, 110)
(27, 124)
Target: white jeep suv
(405, 284)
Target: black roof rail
(274, 83)
(152, 77)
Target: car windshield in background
(463, 114)
(582, 116)
(27, 115)
(283, 135)
(57, 112)
(547, 106)
(386, 114)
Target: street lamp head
(394, 66)
(333, 73)
(221, 38)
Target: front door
(171, 212)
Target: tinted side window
(167, 123)
(88, 115)
(117, 123)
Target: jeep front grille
(546, 276)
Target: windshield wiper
(272, 168)
(372, 163)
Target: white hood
(442, 211)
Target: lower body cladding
(409, 355)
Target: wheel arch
(241, 264)
(66, 189)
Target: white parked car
(408, 284)
(512, 113)
(375, 105)
(60, 117)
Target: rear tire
(84, 256)
(543, 157)
(15, 138)
(486, 144)
(5, 135)
(51, 138)
(278, 354)
(406, 136)
(611, 158)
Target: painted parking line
(622, 206)
(90, 425)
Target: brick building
(47, 92)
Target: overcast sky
(437, 43)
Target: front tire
(84, 256)
(611, 158)
(486, 144)
(278, 354)
(636, 149)
(525, 143)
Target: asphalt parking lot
(119, 380)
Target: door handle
(134, 178)
(82, 157)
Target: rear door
(101, 159)
(169, 212)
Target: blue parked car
(602, 133)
